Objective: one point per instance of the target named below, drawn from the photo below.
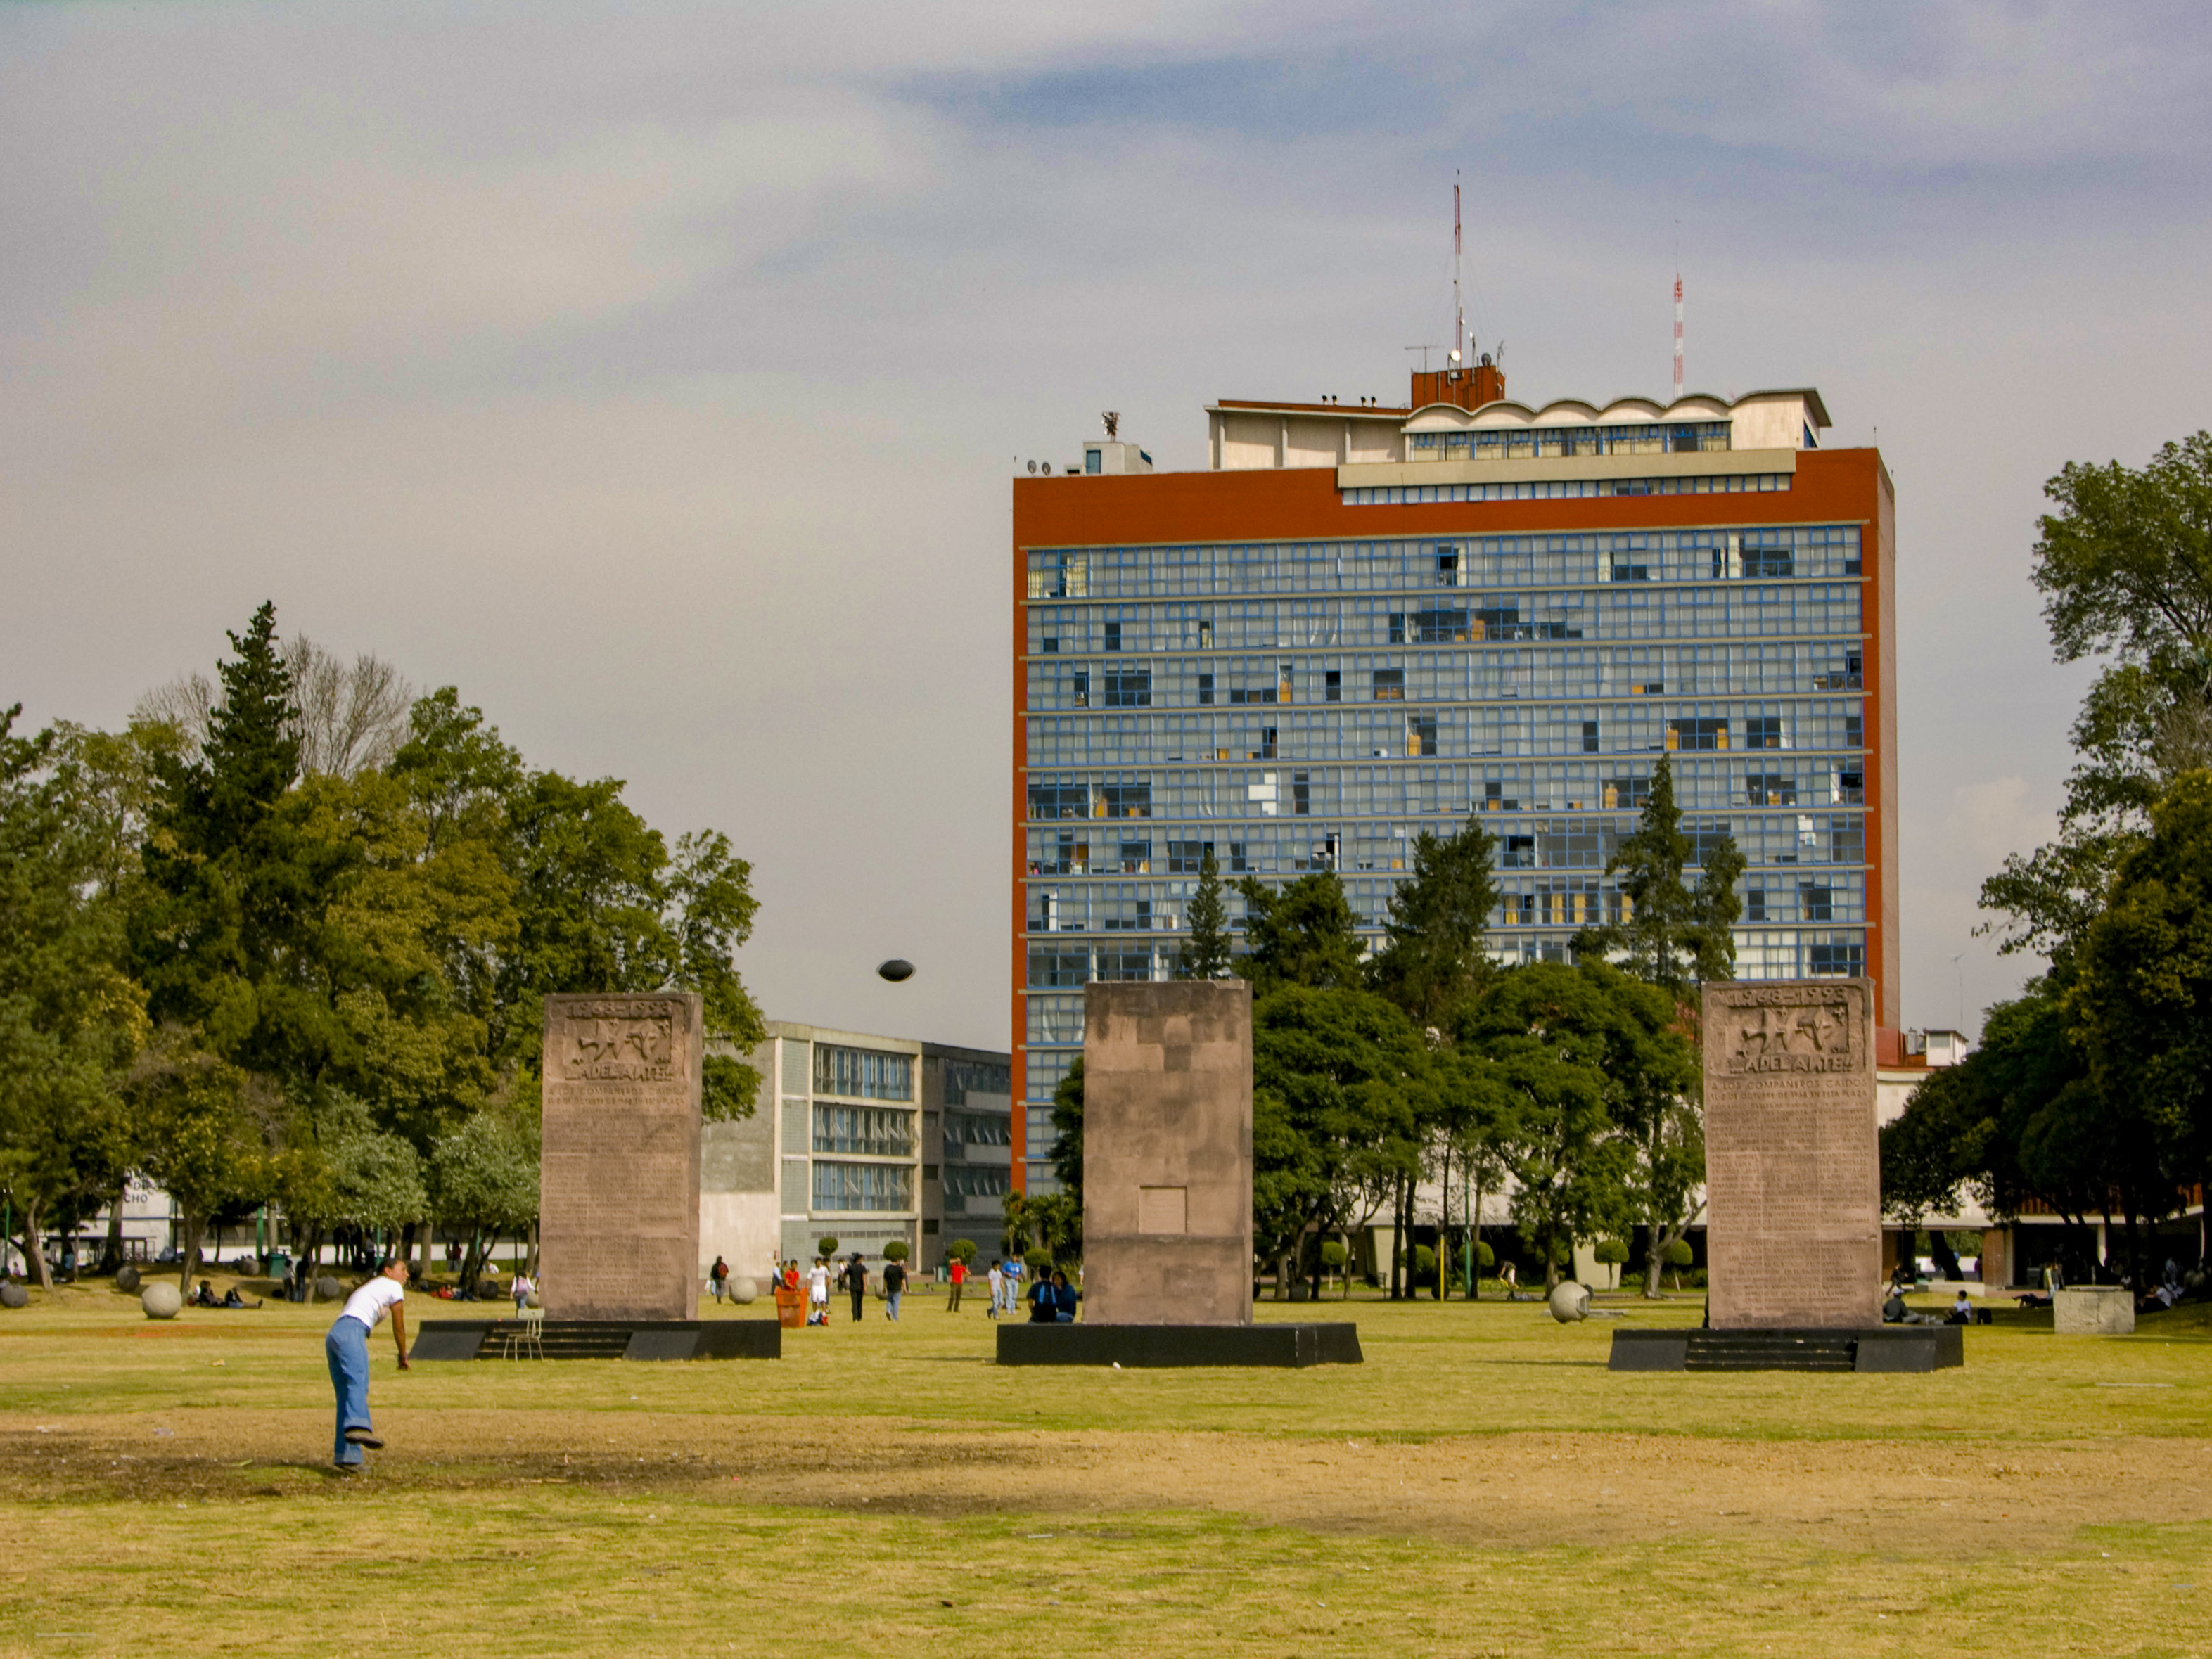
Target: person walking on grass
(522, 1288)
(894, 1287)
(997, 1286)
(958, 1276)
(347, 1349)
(817, 1292)
(718, 1277)
(856, 1281)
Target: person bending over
(346, 1347)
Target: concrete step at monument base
(1772, 1350)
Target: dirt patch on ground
(1508, 1492)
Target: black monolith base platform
(603, 1338)
(1134, 1345)
(1877, 1348)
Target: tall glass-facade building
(1365, 622)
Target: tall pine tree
(1208, 954)
(1433, 958)
(1673, 936)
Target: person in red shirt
(959, 1277)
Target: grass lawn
(1482, 1485)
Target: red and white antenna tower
(1678, 334)
(1459, 315)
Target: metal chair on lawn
(525, 1337)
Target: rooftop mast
(1677, 335)
(1459, 314)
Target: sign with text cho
(1793, 1177)
(618, 1199)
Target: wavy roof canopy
(1573, 411)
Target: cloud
(655, 374)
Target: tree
(202, 1128)
(1433, 956)
(69, 1018)
(1067, 1131)
(1208, 954)
(2125, 568)
(484, 1182)
(1668, 933)
(1306, 933)
(2142, 1004)
(603, 906)
(1562, 1046)
(1339, 1071)
(1674, 937)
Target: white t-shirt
(818, 1283)
(373, 1300)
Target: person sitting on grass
(231, 1299)
(206, 1296)
(1064, 1297)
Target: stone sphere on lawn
(127, 1279)
(327, 1289)
(13, 1295)
(162, 1301)
(1569, 1302)
(743, 1292)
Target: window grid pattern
(1408, 681)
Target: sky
(654, 373)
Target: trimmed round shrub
(1611, 1251)
(1333, 1254)
(1424, 1264)
(895, 1250)
(1679, 1254)
(960, 1249)
(825, 1246)
(1038, 1259)
(1485, 1257)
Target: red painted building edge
(1831, 486)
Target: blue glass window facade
(1306, 706)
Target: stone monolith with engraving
(618, 1199)
(1792, 1173)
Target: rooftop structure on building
(1362, 621)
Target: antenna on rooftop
(1459, 313)
(1678, 336)
(1113, 419)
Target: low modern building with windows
(870, 1139)
(1363, 621)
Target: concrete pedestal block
(2093, 1310)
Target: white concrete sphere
(129, 1278)
(13, 1295)
(161, 1300)
(1569, 1302)
(743, 1292)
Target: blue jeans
(891, 1298)
(347, 1349)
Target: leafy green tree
(2124, 565)
(1340, 1072)
(69, 1018)
(1433, 958)
(203, 1129)
(1067, 1130)
(1564, 1046)
(1208, 953)
(1674, 935)
(603, 907)
(2143, 1004)
(1304, 933)
(1669, 934)
(484, 1182)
